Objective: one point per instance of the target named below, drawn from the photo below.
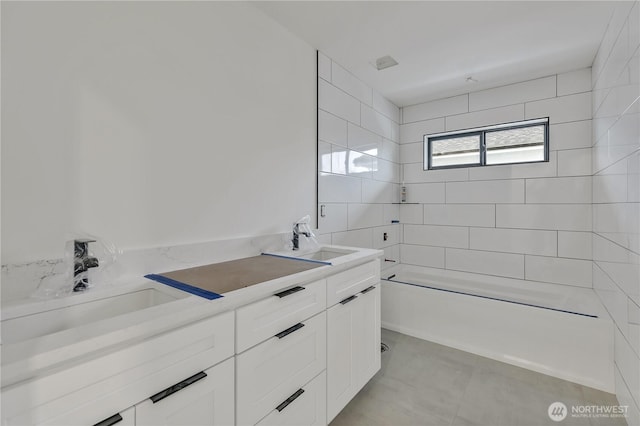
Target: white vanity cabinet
(306, 406)
(271, 374)
(295, 357)
(125, 417)
(105, 388)
(353, 336)
(263, 319)
(203, 399)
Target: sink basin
(86, 310)
(326, 254)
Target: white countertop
(28, 359)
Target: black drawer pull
(367, 290)
(289, 330)
(290, 400)
(348, 299)
(289, 291)
(177, 387)
(116, 418)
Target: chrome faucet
(81, 264)
(296, 236)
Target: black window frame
(482, 131)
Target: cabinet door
(261, 320)
(342, 326)
(269, 373)
(123, 418)
(353, 347)
(306, 407)
(208, 401)
(367, 335)
(352, 281)
(83, 416)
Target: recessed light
(385, 62)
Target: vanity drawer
(263, 319)
(119, 379)
(346, 284)
(271, 372)
(309, 408)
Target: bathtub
(557, 330)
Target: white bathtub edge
(567, 364)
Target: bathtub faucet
(81, 264)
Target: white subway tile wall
(441, 236)
(346, 81)
(542, 88)
(432, 257)
(565, 217)
(459, 214)
(574, 162)
(324, 66)
(560, 190)
(484, 262)
(561, 109)
(505, 220)
(616, 208)
(489, 191)
(574, 82)
(575, 245)
(339, 103)
(358, 164)
(414, 132)
(482, 118)
(558, 270)
(525, 241)
(514, 171)
(435, 109)
(574, 220)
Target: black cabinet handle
(289, 291)
(290, 400)
(289, 330)
(177, 387)
(116, 418)
(367, 290)
(348, 299)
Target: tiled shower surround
(524, 221)
(574, 220)
(528, 221)
(616, 194)
(358, 163)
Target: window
(511, 143)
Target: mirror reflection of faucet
(82, 262)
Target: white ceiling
(438, 44)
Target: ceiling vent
(385, 62)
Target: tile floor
(423, 383)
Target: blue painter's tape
(184, 287)
(322, 262)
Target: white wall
(151, 124)
(358, 157)
(616, 194)
(523, 221)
